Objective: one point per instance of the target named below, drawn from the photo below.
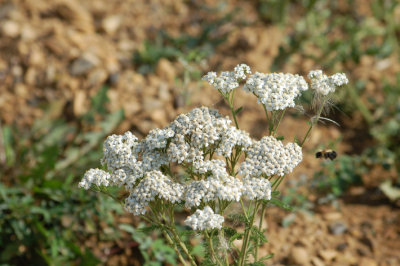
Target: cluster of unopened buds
(204, 163)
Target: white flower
(202, 127)
(204, 219)
(322, 84)
(218, 186)
(257, 188)
(95, 176)
(269, 157)
(157, 138)
(178, 150)
(154, 186)
(228, 81)
(119, 151)
(276, 91)
(241, 71)
(233, 137)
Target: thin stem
(171, 228)
(211, 245)
(259, 229)
(166, 235)
(277, 183)
(171, 243)
(243, 253)
(308, 132)
(182, 245)
(244, 210)
(270, 124)
(230, 102)
(222, 207)
(314, 122)
(280, 119)
(225, 250)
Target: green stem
(244, 210)
(230, 102)
(171, 243)
(280, 119)
(182, 245)
(243, 253)
(259, 228)
(279, 181)
(225, 250)
(211, 245)
(314, 122)
(167, 237)
(269, 120)
(171, 228)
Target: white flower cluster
(233, 137)
(219, 184)
(227, 188)
(137, 165)
(228, 81)
(276, 91)
(201, 127)
(269, 157)
(257, 188)
(204, 219)
(95, 176)
(155, 184)
(323, 84)
(120, 151)
(241, 71)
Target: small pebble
(337, 228)
(299, 255)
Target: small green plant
(203, 164)
(185, 47)
(337, 176)
(43, 219)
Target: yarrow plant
(204, 163)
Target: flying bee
(326, 154)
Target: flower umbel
(323, 84)
(205, 219)
(276, 91)
(226, 82)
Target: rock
(165, 70)
(79, 103)
(341, 246)
(332, 216)
(36, 57)
(97, 77)
(159, 116)
(368, 262)
(75, 13)
(28, 33)
(317, 262)
(337, 228)
(30, 76)
(328, 254)
(113, 78)
(131, 107)
(299, 255)
(83, 64)
(150, 104)
(10, 28)
(163, 92)
(111, 24)
(144, 126)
